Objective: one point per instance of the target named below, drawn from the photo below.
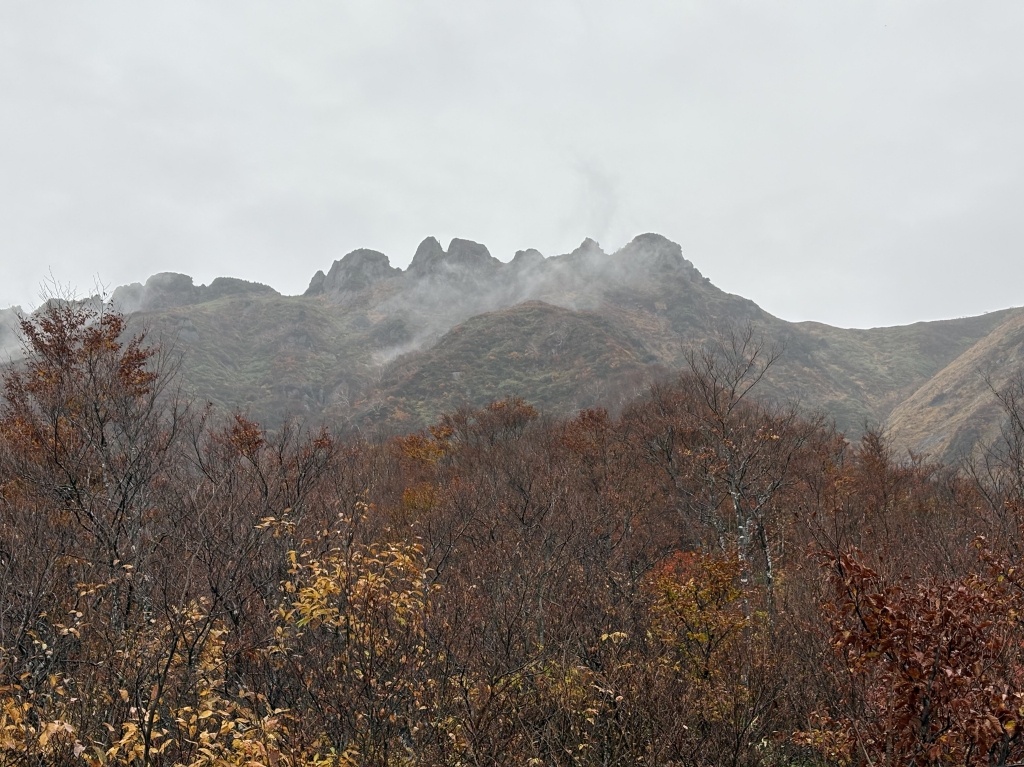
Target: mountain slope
(865, 374)
(370, 344)
(556, 358)
(955, 408)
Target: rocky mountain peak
(525, 259)
(469, 253)
(164, 290)
(431, 258)
(654, 251)
(167, 290)
(656, 242)
(355, 271)
(232, 286)
(588, 247)
(427, 254)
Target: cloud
(832, 161)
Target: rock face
(527, 259)
(356, 271)
(588, 249)
(167, 290)
(656, 253)
(427, 257)
(463, 257)
(232, 286)
(470, 254)
(161, 291)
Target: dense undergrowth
(700, 580)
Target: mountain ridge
(370, 344)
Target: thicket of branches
(701, 580)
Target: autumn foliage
(701, 579)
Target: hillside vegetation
(705, 578)
(956, 408)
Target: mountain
(955, 408)
(369, 344)
(563, 360)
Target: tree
(728, 455)
(90, 421)
(930, 675)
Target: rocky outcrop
(161, 291)
(463, 257)
(428, 255)
(654, 252)
(167, 290)
(527, 259)
(232, 286)
(469, 254)
(357, 271)
(588, 250)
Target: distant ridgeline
(369, 344)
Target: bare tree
(728, 455)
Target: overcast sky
(857, 163)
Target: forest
(704, 578)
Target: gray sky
(857, 163)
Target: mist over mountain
(9, 344)
(442, 288)
(370, 345)
(168, 290)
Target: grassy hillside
(862, 375)
(956, 408)
(271, 356)
(564, 360)
(555, 358)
